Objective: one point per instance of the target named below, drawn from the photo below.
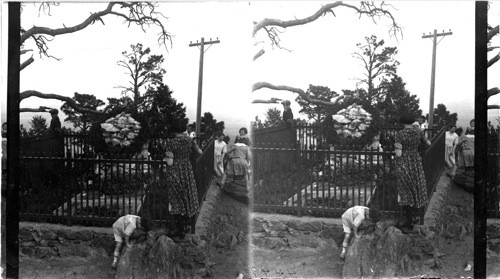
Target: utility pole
(200, 77)
(433, 72)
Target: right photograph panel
(363, 139)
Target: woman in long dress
(180, 180)
(412, 187)
(220, 149)
(239, 159)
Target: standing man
(287, 114)
(55, 123)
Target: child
(352, 219)
(123, 228)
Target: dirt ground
(457, 253)
(97, 266)
(229, 259)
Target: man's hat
(286, 103)
(53, 111)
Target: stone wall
(44, 241)
(47, 241)
(493, 238)
(278, 232)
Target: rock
(375, 257)
(431, 235)
(429, 263)
(233, 242)
(275, 243)
(470, 228)
(258, 226)
(332, 232)
(258, 241)
(240, 237)
(463, 232)
(25, 235)
(314, 226)
(493, 231)
(259, 219)
(453, 231)
(161, 260)
(27, 244)
(276, 225)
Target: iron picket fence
(306, 179)
(78, 186)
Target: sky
(320, 54)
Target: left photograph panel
(134, 146)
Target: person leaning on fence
(287, 114)
(123, 228)
(352, 219)
(409, 171)
(180, 180)
(55, 123)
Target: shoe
(113, 265)
(342, 256)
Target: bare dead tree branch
(143, 14)
(26, 63)
(493, 48)
(259, 54)
(493, 60)
(371, 9)
(493, 107)
(270, 101)
(304, 95)
(39, 109)
(33, 93)
(493, 32)
(493, 91)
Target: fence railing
(79, 187)
(493, 177)
(326, 181)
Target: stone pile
(161, 257)
(120, 130)
(352, 121)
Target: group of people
(179, 176)
(459, 151)
(233, 160)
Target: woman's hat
(286, 103)
(53, 111)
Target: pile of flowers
(352, 121)
(120, 130)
